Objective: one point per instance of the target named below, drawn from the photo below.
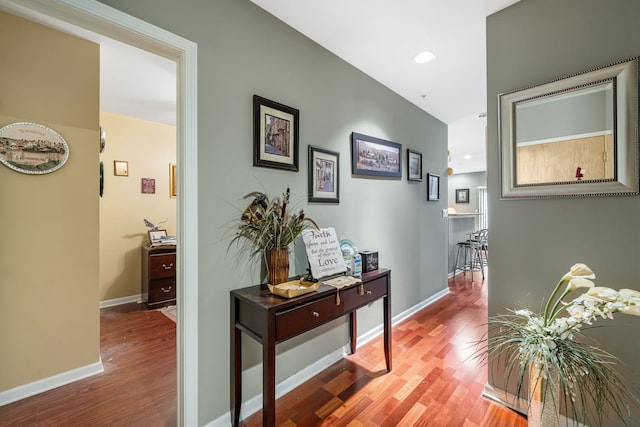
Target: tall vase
(543, 397)
(278, 265)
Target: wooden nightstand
(158, 276)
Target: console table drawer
(308, 316)
(373, 290)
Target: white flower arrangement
(551, 342)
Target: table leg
(269, 377)
(353, 331)
(386, 302)
(235, 361)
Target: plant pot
(543, 397)
(278, 265)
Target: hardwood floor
(432, 384)
(137, 387)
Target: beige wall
(49, 319)
(149, 148)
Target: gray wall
(534, 242)
(466, 180)
(243, 51)
(564, 116)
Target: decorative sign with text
(323, 251)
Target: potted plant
(549, 350)
(267, 228)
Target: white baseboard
(519, 405)
(253, 405)
(506, 399)
(45, 384)
(120, 301)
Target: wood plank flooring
(138, 385)
(432, 384)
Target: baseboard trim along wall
(253, 405)
(49, 383)
(119, 301)
(519, 405)
(58, 380)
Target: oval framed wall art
(32, 148)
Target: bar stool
(465, 249)
(472, 251)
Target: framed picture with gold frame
(173, 184)
(120, 168)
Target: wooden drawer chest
(158, 276)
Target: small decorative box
(369, 261)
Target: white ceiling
(379, 37)
(133, 82)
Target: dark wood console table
(270, 319)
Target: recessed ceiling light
(424, 57)
(467, 156)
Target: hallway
(433, 382)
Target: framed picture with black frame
(414, 165)
(371, 156)
(462, 195)
(324, 175)
(433, 187)
(275, 134)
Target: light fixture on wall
(449, 169)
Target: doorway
(96, 17)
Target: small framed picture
(433, 187)
(324, 178)
(462, 195)
(156, 235)
(275, 135)
(371, 156)
(148, 185)
(173, 187)
(120, 168)
(414, 165)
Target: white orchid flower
(579, 282)
(581, 270)
(603, 293)
(633, 310)
(630, 296)
(629, 293)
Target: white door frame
(102, 19)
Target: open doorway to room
(138, 123)
(93, 16)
